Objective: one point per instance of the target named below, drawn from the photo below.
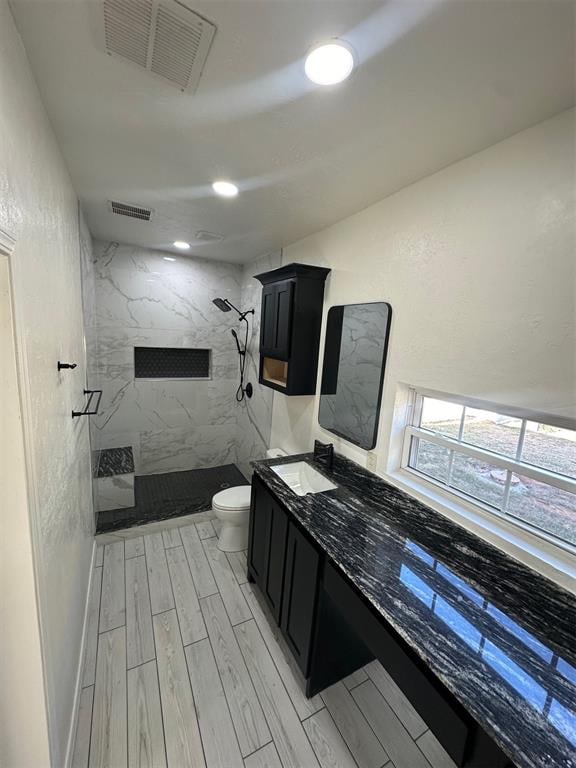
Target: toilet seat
(237, 498)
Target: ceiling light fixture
(181, 244)
(225, 188)
(168, 258)
(329, 63)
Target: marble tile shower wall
(143, 300)
(88, 281)
(254, 420)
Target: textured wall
(21, 680)
(144, 300)
(254, 416)
(478, 264)
(38, 205)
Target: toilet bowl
(232, 508)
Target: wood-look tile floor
(184, 668)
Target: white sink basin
(301, 478)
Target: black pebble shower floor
(160, 497)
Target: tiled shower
(139, 298)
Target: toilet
(232, 508)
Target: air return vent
(202, 236)
(162, 36)
(133, 211)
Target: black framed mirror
(353, 371)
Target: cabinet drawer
(436, 705)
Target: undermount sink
(301, 478)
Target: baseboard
(78, 686)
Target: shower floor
(173, 494)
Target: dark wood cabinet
(276, 546)
(257, 534)
(286, 567)
(291, 319)
(277, 305)
(267, 546)
(300, 595)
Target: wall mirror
(353, 371)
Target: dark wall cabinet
(332, 630)
(277, 305)
(291, 319)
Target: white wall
(478, 263)
(21, 681)
(38, 206)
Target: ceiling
(437, 81)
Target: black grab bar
(87, 411)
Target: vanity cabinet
(332, 629)
(291, 319)
(267, 546)
(285, 565)
(301, 581)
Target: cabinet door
(300, 593)
(277, 534)
(276, 318)
(284, 302)
(258, 534)
(268, 318)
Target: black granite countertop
(499, 635)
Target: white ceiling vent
(202, 236)
(162, 36)
(133, 211)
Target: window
(499, 459)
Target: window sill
(548, 559)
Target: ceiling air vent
(134, 211)
(202, 236)
(163, 36)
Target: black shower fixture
(240, 350)
(225, 305)
(222, 304)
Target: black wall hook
(62, 366)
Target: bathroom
(288, 427)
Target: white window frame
(511, 465)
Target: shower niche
(292, 301)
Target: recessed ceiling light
(168, 258)
(182, 244)
(329, 63)
(225, 188)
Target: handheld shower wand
(225, 305)
(240, 350)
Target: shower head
(236, 340)
(222, 304)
